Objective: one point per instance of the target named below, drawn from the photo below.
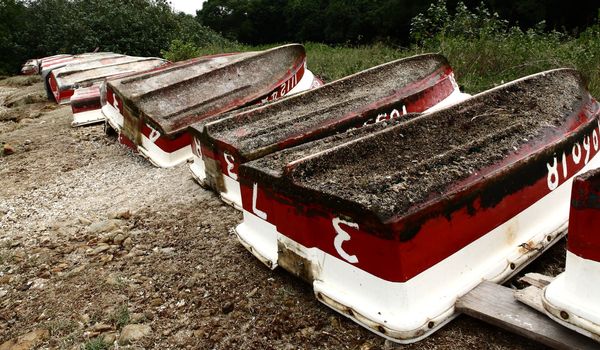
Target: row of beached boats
(390, 191)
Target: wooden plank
(495, 304)
(531, 296)
(536, 279)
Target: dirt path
(95, 243)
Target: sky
(187, 6)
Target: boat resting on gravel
(64, 81)
(48, 66)
(80, 86)
(32, 66)
(387, 91)
(151, 112)
(391, 227)
(573, 298)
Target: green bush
(136, 27)
(485, 51)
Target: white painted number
(586, 146)
(154, 134)
(341, 237)
(261, 214)
(230, 164)
(552, 176)
(590, 144)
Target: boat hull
(573, 298)
(215, 163)
(66, 80)
(400, 278)
(171, 149)
(86, 106)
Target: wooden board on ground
(495, 304)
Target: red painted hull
(413, 97)
(584, 221)
(86, 99)
(400, 248)
(137, 123)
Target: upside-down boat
(151, 112)
(32, 66)
(392, 226)
(387, 91)
(47, 66)
(79, 84)
(573, 298)
(64, 81)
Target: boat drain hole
(431, 324)
(512, 266)
(564, 315)
(381, 329)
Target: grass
(121, 317)
(96, 344)
(483, 55)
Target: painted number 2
(341, 237)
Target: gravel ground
(97, 248)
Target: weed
(95, 344)
(121, 317)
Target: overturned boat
(32, 66)
(573, 298)
(381, 93)
(151, 112)
(64, 81)
(392, 226)
(67, 82)
(47, 66)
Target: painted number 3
(341, 237)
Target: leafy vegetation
(484, 49)
(136, 27)
(121, 316)
(360, 22)
(96, 344)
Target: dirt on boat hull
(385, 92)
(414, 215)
(152, 112)
(64, 81)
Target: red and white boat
(391, 227)
(47, 66)
(32, 66)
(64, 81)
(573, 298)
(152, 111)
(381, 93)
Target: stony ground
(99, 250)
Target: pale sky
(187, 6)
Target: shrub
(485, 51)
(40, 28)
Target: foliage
(96, 344)
(121, 316)
(179, 51)
(358, 22)
(485, 51)
(38, 28)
